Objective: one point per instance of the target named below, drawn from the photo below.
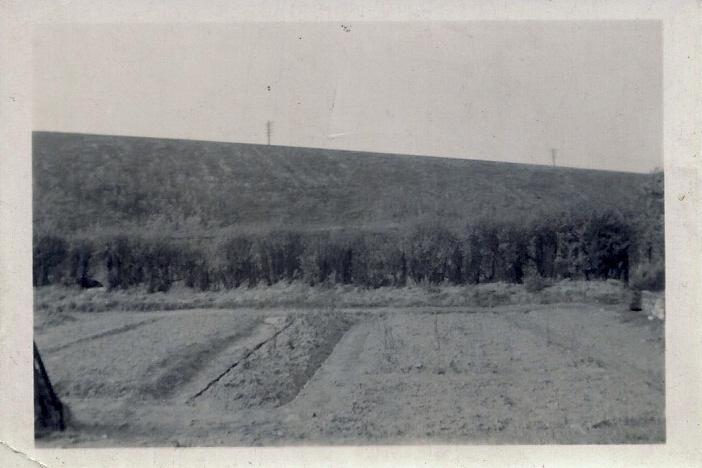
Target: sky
(502, 91)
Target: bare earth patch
(557, 373)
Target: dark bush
(513, 253)
(235, 263)
(49, 254)
(534, 283)
(327, 258)
(472, 258)
(433, 255)
(579, 245)
(124, 262)
(277, 257)
(378, 261)
(196, 269)
(161, 261)
(606, 240)
(79, 258)
(544, 247)
(648, 276)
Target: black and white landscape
(200, 293)
(251, 294)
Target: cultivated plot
(560, 373)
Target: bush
(606, 240)
(648, 276)
(196, 269)
(277, 257)
(160, 263)
(234, 262)
(378, 261)
(49, 254)
(123, 262)
(582, 245)
(433, 255)
(79, 259)
(534, 283)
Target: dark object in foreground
(88, 283)
(636, 299)
(48, 410)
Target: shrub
(513, 253)
(160, 263)
(235, 263)
(648, 276)
(472, 258)
(534, 283)
(543, 247)
(123, 262)
(378, 261)
(49, 254)
(578, 245)
(606, 239)
(196, 268)
(277, 256)
(433, 255)
(79, 259)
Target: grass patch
(52, 302)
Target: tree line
(594, 245)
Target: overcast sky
(483, 90)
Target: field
(197, 293)
(576, 372)
(89, 183)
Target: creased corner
(23, 454)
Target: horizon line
(656, 170)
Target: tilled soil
(484, 378)
(146, 357)
(518, 374)
(275, 373)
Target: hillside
(88, 181)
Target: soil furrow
(106, 333)
(191, 363)
(244, 358)
(536, 374)
(317, 360)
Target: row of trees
(579, 246)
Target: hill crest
(84, 181)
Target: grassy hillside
(87, 182)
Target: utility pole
(269, 129)
(553, 156)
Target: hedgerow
(583, 245)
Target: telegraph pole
(269, 130)
(553, 156)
